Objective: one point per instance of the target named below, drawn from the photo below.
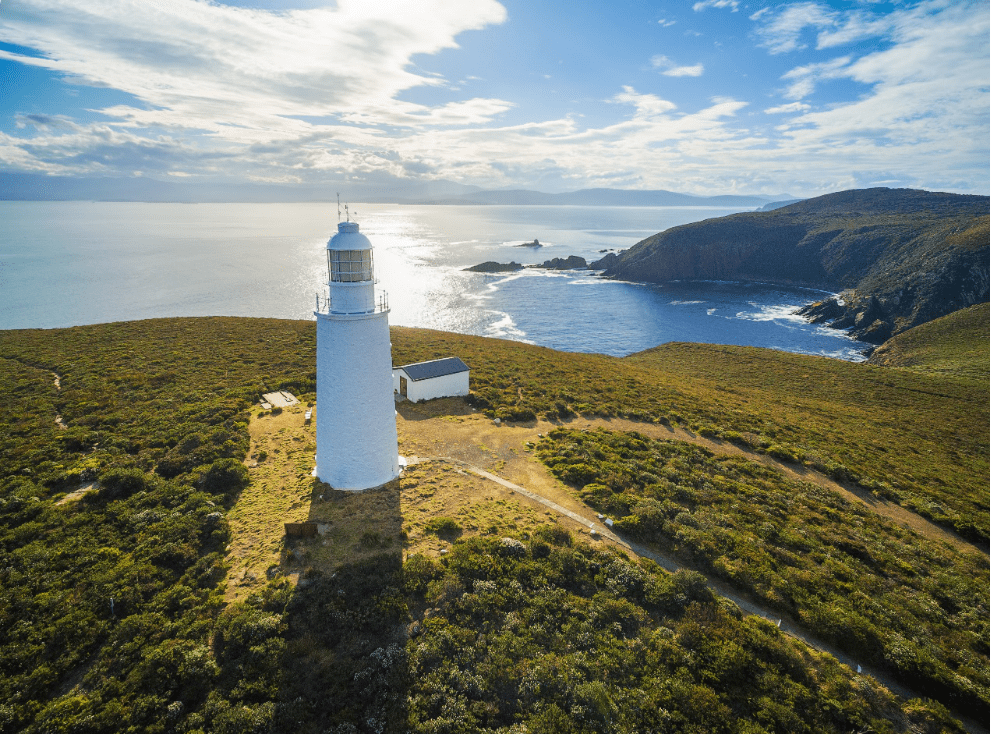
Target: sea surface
(70, 263)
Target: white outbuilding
(421, 381)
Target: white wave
(849, 354)
(531, 271)
(591, 281)
(775, 313)
(513, 276)
(504, 327)
(710, 312)
(478, 296)
(685, 303)
(823, 330)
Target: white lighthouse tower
(357, 446)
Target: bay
(70, 263)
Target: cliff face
(901, 256)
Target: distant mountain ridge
(902, 256)
(601, 198)
(39, 187)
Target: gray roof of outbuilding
(434, 368)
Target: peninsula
(900, 257)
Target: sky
(703, 97)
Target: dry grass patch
(434, 492)
(280, 462)
(400, 516)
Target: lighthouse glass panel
(349, 266)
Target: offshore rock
(572, 262)
(490, 266)
(822, 311)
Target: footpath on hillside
(448, 427)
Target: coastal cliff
(902, 257)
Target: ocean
(70, 263)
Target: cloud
(925, 110)
(665, 23)
(208, 66)
(647, 105)
(804, 78)
(787, 108)
(854, 27)
(734, 5)
(684, 71)
(783, 30)
(308, 96)
(44, 122)
(670, 69)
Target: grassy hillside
(905, 256)
(955, 345)
(112, 612)
(917, 439)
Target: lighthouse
(357, 446)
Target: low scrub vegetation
(885, 595)
(549, 635)
(112, 613)
(956, 345)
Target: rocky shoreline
(863, 317)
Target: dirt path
(58, 389)
(889, 510)
(785, 623)
(79, 492)
(449, 428)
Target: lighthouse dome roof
(348, 238)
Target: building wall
(439, 387)
(357, 445)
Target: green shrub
(783, 453)
(418, 572)
(444, 527)
(226, 477)
(579, 474)
(554, 534)
(117, 484)
(839, 567)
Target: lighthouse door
(402, 386)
